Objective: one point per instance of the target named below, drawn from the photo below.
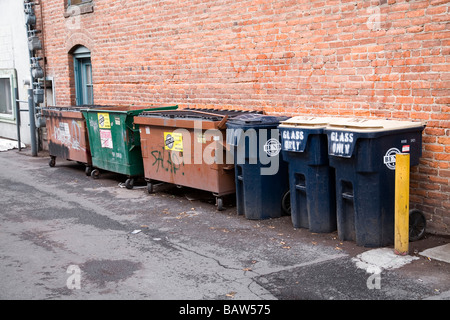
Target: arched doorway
(84, 90)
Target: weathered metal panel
(67, 134)
(115, 140)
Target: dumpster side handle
(223, 123)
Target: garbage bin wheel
(95, 173)
(286, 203)
(219, 203)
(417, 225)
(129, 183)
(52, 162)
(150, 187)
(88, 171)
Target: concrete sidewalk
(7, 144)
(441, 253)
(174, 244)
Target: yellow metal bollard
(401, 238)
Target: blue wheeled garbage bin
(363, 155)
(311, 179)
(261, 174)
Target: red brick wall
(384, 58)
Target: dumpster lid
(305, 121)
(74, 108)
(230, 113)
(128, 108)
(252, 118)
(372, 125)
(182, 114)
(204, 114)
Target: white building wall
(14, 55)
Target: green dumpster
(114, 139)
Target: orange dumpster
(67, 135)
(187, 147)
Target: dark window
(78, 7)
(76, 2)
(5, 96)
(8, 87)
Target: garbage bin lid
(183, 114)
(230, 113)
(305, 121)
(254, 119)
(73, 108)
(193, 113)
(372, 125)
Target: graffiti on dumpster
(167, 160)
(69, 137)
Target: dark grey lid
(256, 119)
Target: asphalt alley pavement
(66, 236)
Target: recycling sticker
(173, 141)
(389, 158)
(103, 121)
(272, 147)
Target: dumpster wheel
(95, 173)
(129, 183)
(219, 203)
(52, 161)
(417, 225)
(88, 171)
(150, 187)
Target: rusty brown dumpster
(67, 135)
(187, 147)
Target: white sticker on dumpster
(389, 158)
(64, 132)
(272, 147)
(106, 139)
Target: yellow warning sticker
(173, 141)
(103, 121)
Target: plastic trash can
(261, 173)
(115, 140)
(187, 148)
(311, 180)
(67, 135)
(363, 154)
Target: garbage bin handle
(222, 124)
